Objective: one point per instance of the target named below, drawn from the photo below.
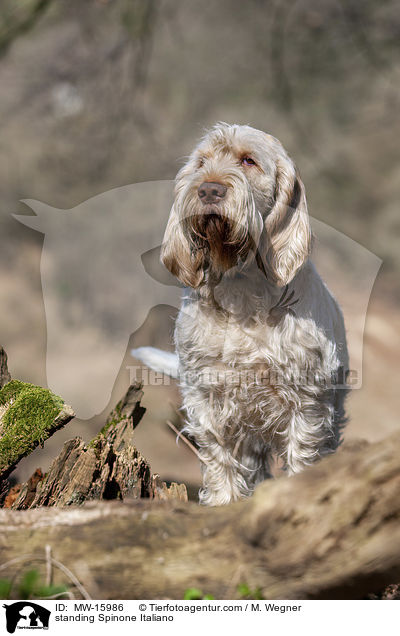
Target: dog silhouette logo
(26, 615)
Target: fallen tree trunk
(331, 532)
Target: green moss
(11, 390)
(113, 419)
(97, 441)
(28, 420)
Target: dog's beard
(221, 235)
(222, 241)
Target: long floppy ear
(288, 236)
(178, 256)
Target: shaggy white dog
(260, 341)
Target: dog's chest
(205, 338)
(210, 340)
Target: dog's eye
(201, 162)
(248, 161)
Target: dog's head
(238, 199)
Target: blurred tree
(16, 18)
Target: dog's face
(237, 199)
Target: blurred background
(104, 93)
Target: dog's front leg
(225, 478)
(311, 433)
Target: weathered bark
(162, 492)
(108, 467)
(332, 531)
(24, 493)
(4, 372)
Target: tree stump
(108, 467)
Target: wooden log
(332, 531)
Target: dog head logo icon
(26, 615)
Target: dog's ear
(178, 256)
(287, 239)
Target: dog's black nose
(210, 192)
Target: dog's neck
(245, 294)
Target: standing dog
(260, 341)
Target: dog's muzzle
(211, 192)
(212, 224)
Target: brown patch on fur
(296, 195)
(188, 270)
